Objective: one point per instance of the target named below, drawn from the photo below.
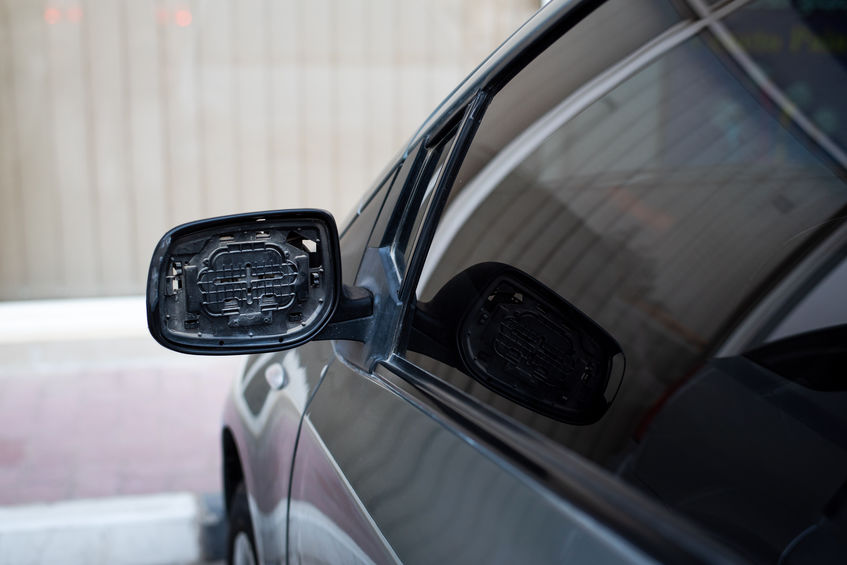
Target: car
(594, 311)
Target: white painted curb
(150, 530)
(73, 319)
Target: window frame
(470, 116)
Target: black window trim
(472, 116)
(444, 142)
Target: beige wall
(122, 118)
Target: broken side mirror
(248, 283)
(520, 339)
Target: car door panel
(327, 522)
(269, 418)
(427, 493)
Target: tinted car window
(356, 234)
(801, 46)
(666, 210)
(560, 74)
(657, 211)
(818, 305)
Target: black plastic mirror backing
(245, 283)
(520, 339)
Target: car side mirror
(247, 283)
(517, 337)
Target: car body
(674, 170)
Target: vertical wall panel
(121, 118)
(446, 48)
(284, 114)
(216, 99)
(78, 217)
(381, 50)
(12, 257)
(146, 156)
(316, 76)
(350, 105)
(115, 219)
(185, 198)
(250, 50)
(34, 151)
(413, 66)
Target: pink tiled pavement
(111, 431)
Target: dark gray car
(594, 311)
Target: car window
(387, 222)
(802, 50)
(665, 210)
(654, 211)
(562, 73)
(631, 22)
(357, 232)
(818, 305)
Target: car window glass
(803, 51)
(653, 211)
(664, 211)
(631, 22)
(386, 224)
(560, 73)
(357, 233)
(820, 305)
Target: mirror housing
(247, 283)
(520, 339)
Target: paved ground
(94, 410)
(110, 431)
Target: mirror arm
(353, 315)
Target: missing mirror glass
(223, 286)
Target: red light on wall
(52, 15)
(182, 18)
(74, 14)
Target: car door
(271, 396)
(383, 470)
(383, 474)
(393, 463)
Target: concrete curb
(73, 319)
(153, 529)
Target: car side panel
(427, 493)
(264, 421)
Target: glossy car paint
(432, 495)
